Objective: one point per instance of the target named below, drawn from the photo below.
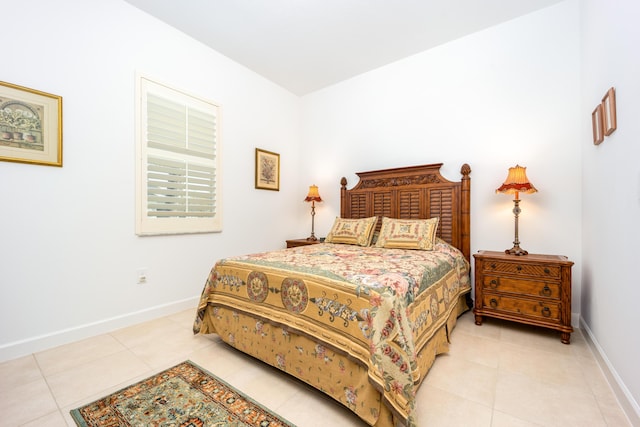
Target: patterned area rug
(185, 395)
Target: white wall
(611, 185)
(68, 251)
(504, 96)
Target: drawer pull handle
(546, 291)
(547, 271)
(546, 312)
(519, 268)
(493, 303)
(493, 284)
(493, 265)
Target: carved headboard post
(465, 218)
(343, 195)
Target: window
(178, 162)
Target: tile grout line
(46, 381)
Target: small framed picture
(30, 126)
(596, 123)
(267, 170)
(609, 112)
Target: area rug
(185, 395)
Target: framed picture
(596, 123)
(609, 112)
(267, 170)
(30, 126)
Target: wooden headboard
(415, 192)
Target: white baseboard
(628, 403)
(43, 342)
(575, 320)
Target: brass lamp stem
(313, 214)
(516, 249)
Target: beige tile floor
(499, 374)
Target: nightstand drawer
(522, 269)
(521, 287)
(544, 310)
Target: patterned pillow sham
(352, 231)
(408, 233)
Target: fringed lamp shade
(516, 183)
(313, 196)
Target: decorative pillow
(408, 233)
(352, 231)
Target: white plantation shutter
(178, 162)
(179, 189)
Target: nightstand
(301, 242)
(532, 289)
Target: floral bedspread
(378, 305)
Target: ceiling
(306, 45)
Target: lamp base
(312, 238)
(517, 251)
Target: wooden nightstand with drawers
(302, 242)
(532, 289)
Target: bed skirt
(324, 367)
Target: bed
(362, 316)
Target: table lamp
(516, 183)
(313, 196)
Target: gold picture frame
(267, 170)
(30, 126)
(609, 121)
(596, 124)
